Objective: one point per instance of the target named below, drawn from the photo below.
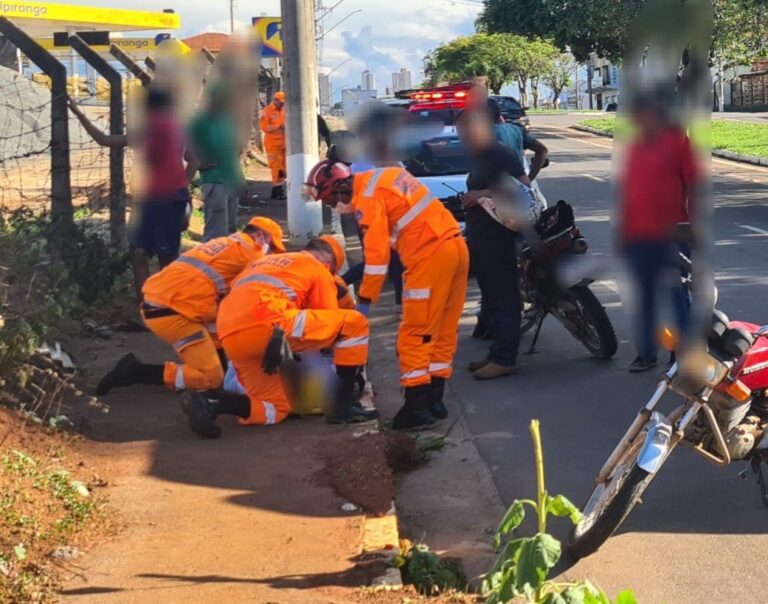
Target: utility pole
(305, 220)
(577, 88)
(232, 16)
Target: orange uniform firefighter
(396, 211)
(180, 307)
(273, 126)
(288, 298)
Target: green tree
(559, 76)
(478, 55)
(530, 60)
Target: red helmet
(324, 179)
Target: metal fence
(750, 89)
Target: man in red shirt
(660, 175)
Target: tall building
(353, 98)
(401, 80)
(369, 81)
(326, 93)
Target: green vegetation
(744, 138)
(48, 275)
(524, 563)
(41, 508)
(427, 572)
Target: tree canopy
(602, 26)
(501, 58)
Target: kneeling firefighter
(180, 307)
(396, 210)
(278, 304)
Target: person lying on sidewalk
(180, 307)
(278, 304)
(394, 209)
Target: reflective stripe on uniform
(268, 280)
(352, 342)
(414, 374)
(211, 327)
(299, 324)
(415, 294)
(270, 414)
(424, 201)
(195, 337)
(211, 273)
(433, 367)
(371, 188)
(376, 269)
(179, 383)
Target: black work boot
(437, 407)
(415, 414)
(346, 409)
(129, 370)
(278, 192)
(201, 413)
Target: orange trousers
(195, 344)
(276, 159)
(434, 291)
(344, 331)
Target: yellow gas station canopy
(43, 19)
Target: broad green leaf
(626, 597)
(20, 552)
(512, 519)
(508, 556)
(562, 506)
(537, 557)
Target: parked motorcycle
(723, 420)
(543, 293)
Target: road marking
(754, 229)
(591, 177)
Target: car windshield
(439, 156)
(447, 116)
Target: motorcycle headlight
(714, 371)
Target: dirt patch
(51, 506)
(406, 595)
(361, 470)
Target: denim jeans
(654, 269)
(494, 265)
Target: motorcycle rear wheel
(609, 504)
(589, 324)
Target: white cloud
(383, 37)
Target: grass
(560, 111)
(744, 138)
(41, 507)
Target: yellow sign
(135, 47)
(270, 30)
(70, 15)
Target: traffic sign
(270, 30)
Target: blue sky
(385, 36)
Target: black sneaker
(121, 375)
(354, 415)
(641, 364)
(407, 419)
(201, 413)
(438, 410)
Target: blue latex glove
(364, 308)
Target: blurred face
(279, 103)
(475, 131)
(648, 121)
(263, 240)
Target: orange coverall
(396, 210)
(273, 125)
(181, 303)
(297, 293)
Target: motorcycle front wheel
(610, 503)
(585, 318)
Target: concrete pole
(721, 85)
(305, 220)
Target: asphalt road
(699, 535)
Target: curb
(730, 155)
(381, 540)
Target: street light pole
(305, 219)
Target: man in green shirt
(213, 138)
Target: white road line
(592, 177)
(754, 229)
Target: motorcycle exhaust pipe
(579, 245)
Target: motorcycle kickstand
(539, 323)
(757, 467)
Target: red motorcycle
(724, 418)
